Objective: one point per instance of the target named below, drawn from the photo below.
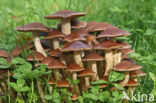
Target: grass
(136, 16)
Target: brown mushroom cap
(105, 78)
(17, 50)
(73, 67)
(100, 26)
(56, 64)
(76, 24)
(51, 81)
(113, 32)
(126, 45)
(62, 84)
(54, 34)
(126, 66)
(35, 56)
(32, 27)
(64, 14)
(90, 25)
(125, 57)
(127, 51)
(108, 45)
(74, 97)
(76, 46)
(74, 37)
(137, 73)
(47, 60)
(131, 83)
(55, 53)
(4, 54)
(86, 72)
(93, 57)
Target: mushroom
(131, 84)
(99, 26)
(110, 33)
(127, 51)
(75, 24)
(55, 65)
(47, 60)
(65, 16)
(137, 73)
(55, 35)
(86, 73)
(74, 97)
(76, 46)
(74, 68)
(93, 58)
(35, 28)
(108, 46)
(51, 82)
(63, 84)
(35, 56)
(4, 54)
(74, 37)
(126, 66)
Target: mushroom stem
(41, 92)
(56, 44)
(126, 79)
(51, 89)
(87, 81)
(74, 76)
(38, 45)
(66, 26)
(77, 58)
(119, 56)
(94, 69)
(50, 43)
(57, 74)
(76, 88)
(123, 82)
(109, 61)
(115, 57)
(82, 54)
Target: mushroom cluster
(80, 50)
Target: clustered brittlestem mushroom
(76, 47)
(126, 66)
(108, 46)
(93, 57)
(55, 35)
(55, 65)
(86, 73)
(65, 16)
(74, 68)
(35, 28)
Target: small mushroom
(137, 73)
(55, 65)
(35, 28)
(131, 84)
(63, 84)
(47, 60)
(108, 46)
(76, 47)
(74, 97)
(93, 58)
(54, 36)
(126, 66)
(35, 56)
(4, 54)
(74, 68)
(65, 16)
(86, 73)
